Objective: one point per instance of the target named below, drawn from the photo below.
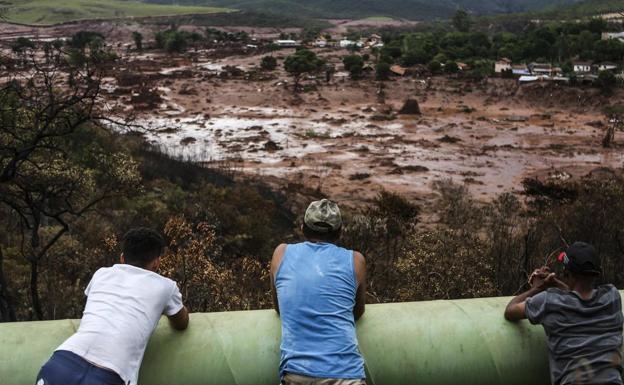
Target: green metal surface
(420, 343)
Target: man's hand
(542, 279)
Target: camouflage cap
(323, 216)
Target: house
(606, 66)
(286, 43)
(350, 44)
(544, 69)
(613, 35)
(502, 65)
(582, 67)
(528, 79)
(520, 70)
(320, 43)
(463, 66)
(398, 70)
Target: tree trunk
(609, 137)
(34, 290)
(7, 311)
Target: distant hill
(592, 7)
(408, 9)
(46, 12)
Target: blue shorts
(67, 368)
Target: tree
(138, 40)
(451, 67)
(172, 40)
(462, 21)
(51, 169)
(606, 81)
(22, 44)
(435, 67)
(615, 116)
(382, 70)
(354, 64)
(268, 63)
(83, 39)
(300, 63)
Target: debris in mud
(517, 118)
(410, 107)
(449, 139)
(272, 146)
(552, 189)
(400, 170)
(146, 98)
(359, 176)
(596, 124)
(188, 140)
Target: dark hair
(331, 236)
(142, 245)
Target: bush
(382, 69)
(268, 63)
(354, 64)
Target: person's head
(142, 247)
(581, 264)
(322, 222)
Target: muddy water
(490, 155)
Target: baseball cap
(323, 216)
(581, 258)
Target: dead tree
(51, 172)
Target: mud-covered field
(343, 137)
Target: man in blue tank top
(319, 290)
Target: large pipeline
(465, 342)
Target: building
(350, 43)
(502, 65)
(606, 66)
(582, 67)
(320, 43)
(520, 70)
(287, 43)
(544, 69)
(613, 35)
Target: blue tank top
(316, 289)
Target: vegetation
(138, 40)
(554, 42)
(301, 63)
(358, 9)
(268, 63)
(175, 41)
(354, 64)
(248, 18)
(46, 12)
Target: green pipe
(464, 342)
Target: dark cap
(581, 258)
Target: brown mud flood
(343, 139)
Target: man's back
(316, 288)
(584, 336)
(123, 307)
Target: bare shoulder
(359, 258)
(278, 254)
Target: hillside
(47, 12)
(408, 9)
(592, 7)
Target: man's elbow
(513, 315)
(358, 313)
(180, 321)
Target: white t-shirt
(123, 308)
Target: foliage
(268, 63)
(302, 62)
(175, 41)
(138, 40)
(461, 21)
(354, 64)
(22, 44)
(382, 70)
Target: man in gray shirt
(583, 322)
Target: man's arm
(360, 275)
(540, 280)
(276, 261)
(180, 320)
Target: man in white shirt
(124, 305)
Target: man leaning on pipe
(319, 290)
(582, 321)
(124, 304)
